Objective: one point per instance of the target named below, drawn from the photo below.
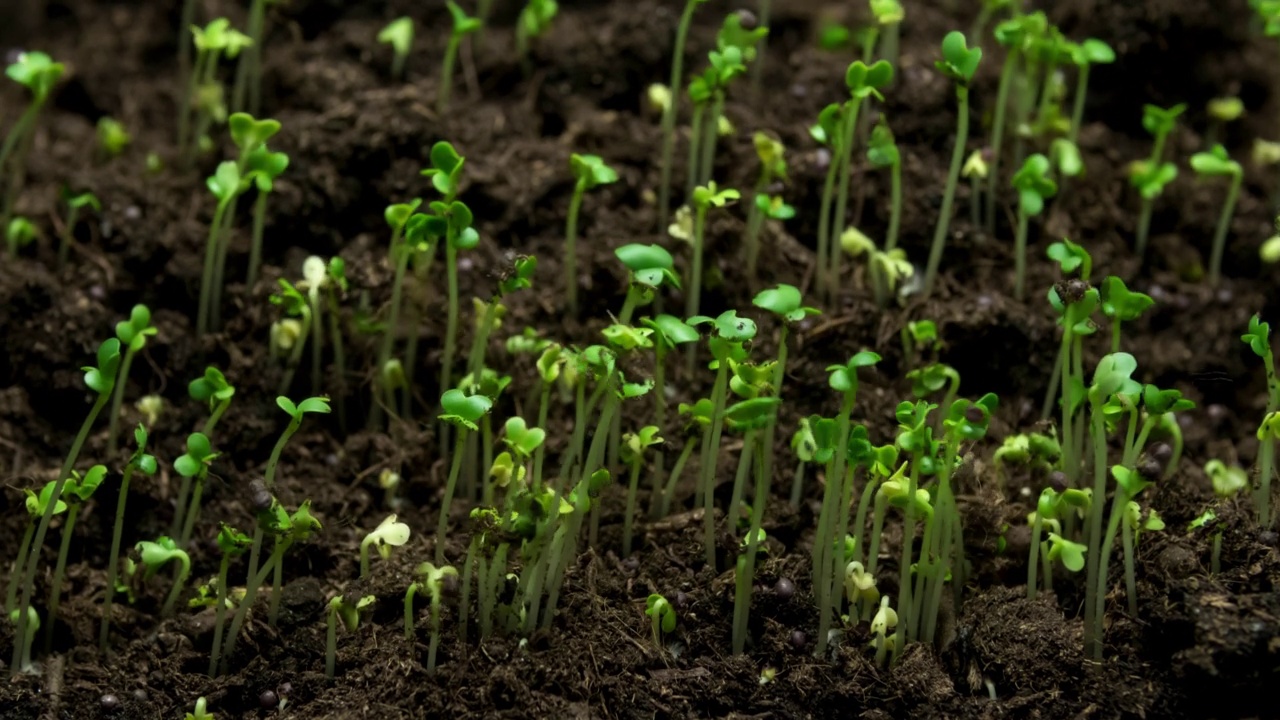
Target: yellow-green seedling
(736, 46)
(883, 640)
(1085, 55)
(75, 204)
(29, 630)
(632, 453)
(744, 579)
(699, 419)
(451, 220)
(915, 438)
(390, 533)
(1074, 301)
(705, 197)
(1070, 554)
(773, 169)
(113, 137)
(1120, 304)
(669, 111)
(860, 590)
(882, 152)
(1217, 163)
(532, 23)
(1038, 451)
(888, 15)
(589, 172)
(139, 462)
(101, 379)
(863, 83)
(662, 617)
(1018, 35)
(158, 553)
(834, 37)
(38, 73)
(399, 35)
(463, 25)
(226, 184)
(1072, 259)
(1227, 481)
(78, 490)
(933, 378)
(263, 168)
(1034, 186)
(650, 267)
(959, 63)
(193, 466)
(201, 711)
(1051, 507)
(35, 506)
(887, 268)
(409, 240)
(204, 100)
(1139, 523)
(1151, 176)
(919, 337)
(1258, 338)
(346, 608)
(290, 333)
(231, 544)
(462, 411)
(212, 388)
(1221, 111)
(434, 581)
(133, 334)
(19, 232)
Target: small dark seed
(1150, 469)
(1161, 453)
(974, 414)
(268, 699)
(109, 702)
(140, 695)
(747, 19)
(285, 689)
(631, 564)
(798, 639)
(682, 600)
(1058, 481)
(1269, 538)
(784, 589)
(450, 586)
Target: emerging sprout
(1071, 554)
(19, 233)
(145, 464)
(75, 203)
(704, 198)
(1085, 55)
(132, 334)
(662, 616)
(201, 711)
(387, 535)
(589, 172)
(1034, 186)
(633, 448)
(1222, 110)
(1258, 338)
(399, 35)
(346, 608)
(113, 138)
(231, 543)
(1216, 163)
(1121, 304)
(433, 581)
(39, 74)
(885, 620)
(155, 555)
(463, 25)
(1151, 175)
(534, 21)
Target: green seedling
(231, 543)
(662, 616)
(399, 35)
(246, 94)
(203, 94)
(1034, 186)
(226, 184)
(201, 711)
(77, 492)
(346, 608)
(1070, 554)
(29, 630)
(1051, 508)
(735, 47)
(113, 138)
(975, 170)
(67, 238)
(432, 581)
(158, 553)
(1120, 304)
(669, 112)
(1258, 338)
(1216, 163)
(132, 334)
(958, 64)
(860, 590)
(289, 334)
(1085, 55)
(1221, 111)
(919, 337)
(390, 533)
(39, 74)
(633, 448)
(463, 411)
(932, 378)
(1227, 481)
(35, 506)
(773, 168)
(264, 167)
(194, 465)
(985, 13)
(1018, 35)
(669, 332)
(409, 239)
(888, 15)
(1151, 176)
(532, 23)
(19, 233)
(589, 172)
(883, 641)
(751, 416)
(463, 25)
(651, 267)
(1072, 259)
(834, 37)
(141, 462)
(705, 197)
(101, 379)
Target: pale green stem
(948, 198)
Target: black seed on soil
(1058, 481)
(798, 639)
(449, 586)
(682, 600)
(1161, 453)
(109, 702)
(630, 564)
(140, 695)
(784, 589)
(268, 699)
(1150, 469)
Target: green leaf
(265, 166)
(36, 505)
(1216, 162)
(522, 438)
(1129, 479)
(1159, 121)
(670, 330)
(882, 151)
(728, 326)
(1067, 158)
(827, 131)
(1033, 184)
(225, 182)
(212, 388)
(1120, 302)
(248, 133)
(864, 82)
(231, 541)
(133, 333)
(102, 379)
(463, 409)
(710, 196)
(398, 34)
(397, 216)
(445, 170)
(959, 62)
(591, 171)
(1150, 179)
(463, 24)
(1093, 52)
(1071, 257)
(1070, 553)
(1258, 338)
(37, 72)
(784, 300)
(626, 337)
(82, 488)
(314, 405)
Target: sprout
(1085, 55)
(432, 580)
(1151, 176)
(77, 492)
(1222, 110)
(773, 168)
(19, 233)
(704, 198)
(1071, 554)
(194, 466)
(113, 138)
(633, 448)
(399, 35)
(75, 203)
(387, 535)
(204, 93)
(263, 168)
(231, 543)
(1034, 186)
(959, 63)
(860, 590)
(589, 172)
(132, 334)
(463, 25)
(462, 411)
(1121, 305)
(141, 462)
(28, 629)
(39, 74)
(346, 608)
(1258, 338)
(161, 552)
(534, 21)
(201, 711)
(885, 619)
(1216, 163)
(669, 111)
(662, 615)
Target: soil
(1202, 646)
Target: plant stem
(797, 485)
(59, 571)
(707, 468)
(1215, 566)
(1100, 583)
(825, 248)
(295, 354)
(446, 74)
(669, 492)
(1130, 580)
(184, 570)
(669, 115)
(11, 596)
(1092, 630)
(740, 478)
(1033, 564)
(571, 248)
(1077, 112)
(1020, 257)
(259, 228)
(220, 615)
(331, 644)
(113, 424)
(711, 128)
(944, 217)
(206, 282)
(904, 567)
(1220, 235)
(692, 300)
(850, 122)
(627, 519)
(193, 510)
(451, 331)
(997, 136)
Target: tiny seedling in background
(133, 334)
(1221, 110)
(1034, 186)
(589, 172)
(346, 608)
(145, 464)
(669, 111)
(39, 74)
(264, 167)
(533, 22)
(1120, 304)
(1216, 163)
(633, 449)
(389, 533)
(19, 233)
(434, 581)
(1085, 55)
(201, 711)
(704, 198)
(399, 35)
(1227, 482)
(67, 238)
(1258, 338)
(231, 543)
(773, 168)
(77, 492)
(113, 138)
(463, 25)
(1152, 175)
(194, 465)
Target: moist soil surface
(1201, 645)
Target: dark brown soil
(1203, 646)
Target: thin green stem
(695, 141)
(1220, 234)
(842, 190)
(668, 493)
(451, 331)
(446, 74)
(220, 615)
(693, 298)
(59, 572)
(949, 196)
(117, 399)
(454, 469)
(1092, 631)
(206, 282)
(997, 136)
(669, 115)
(259, 229)
(1020, 257)
(628, 519)
(571, 248)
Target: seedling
(113, 138)
(1085, 55)
(589, 172)
(669, 112)
(1034, 186)
(662, 616)
(704, 198)
(1221, 110)
(930, 379)
(433, 581)
(225, 184)
(132, 334)
(633, 448)
(231, 543)
(203, 94)
(77, 492)
(1216, 163)
(1258, 338)
(264, 167)
(1151, 176)
(389, 533)
(19, 233)
(463, 25)
(959, 63)
(39, 74)
(100, 379)
(533, 22)
(141, 462)
(884, 642)
(773, 168)
(735, 47)
(289, 335)
(67, 238)
(201, 710)
(158, 553)
(346, 608)
(1227, 481)
(463, 412)
(1121, 304)
(399, 35)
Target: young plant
(346, 608)
(77, 492)
(100, 379)
(1216, 163)
(204, 94)
(1221, 110)
(735, 47)
(132, 334)
(35, 506)
(1018, 35)
(533, 22)
(194, 466)
(704, 198)
(633, 447)
(264, 167)
(885, 643)
(289, 334)
(1120, 304)
(399, 35)
(1151, 176)
(145, 464)
(433, 581)
(773, 168)
(1227, 483)
(1051, 508)
(751, 416)
(155, 555)
(1258, 338)
(201, 710)
(389, 533)
(662, 616)
(19, 233)
(882, 152)
(463, 411)
(1034, 186)
(1085, 55)
(28, 630)
(669, 112)
(113, 138)
(39, 74)
(67, 238)
(959, 63)
(463, 25)
(231, 543)
(589, 172)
